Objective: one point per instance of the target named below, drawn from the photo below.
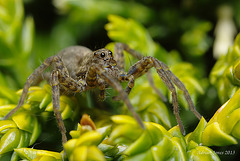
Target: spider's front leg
(142, 67)
(119, 57)
(173, 78)
(92, 81)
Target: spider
(77, 69)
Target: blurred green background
(180, 33)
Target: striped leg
(182, 87)
(121, 47)
(64, 79)
(143, 65)
(47, 62)
(130, 79)
(101, 84)
(152, 84)
(162, 73)
(117, 86)
(56, 105)
(119, 57)
(59, 75)
(93, 81)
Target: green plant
(225, 73)
(117, 137)
(16, 42)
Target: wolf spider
(78, 69)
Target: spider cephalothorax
(78, 69)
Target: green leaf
(45, 158)
(214, 136)
(35, 132)
(27, 36)
(27, 124)
(202, 153)
(151, 136)
(196, 135)
(135, 34)
(45, 101)
(142, 144)
(121, 119)
(230, 108)
(127, 131)
(25, 138)
(30, 154)
(67, 112)
(5, 109)
(175, 132)
(85, 153)
(79, 153)
(179, 154)
(159, 109)
(195, 41)
(89, 138)
(224, 75)
(141, 157)
(10, 140)
(236, 130)
(95, 154)
(8, 94)
(70, 145)
(163, 150)
(6, 124)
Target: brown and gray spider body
(78, 69)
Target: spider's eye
(110, 53)
(95, 53)
(102, 55)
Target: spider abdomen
(73, 58)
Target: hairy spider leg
(119, 57)
(93, 81)
(142, 66)
(178, 83)
(101, 84)
(117, 86)
(167, 81)
(134, 53)
(130, 79)
(59, 75)
(182, 87)
(152, 84)
(46, 63)
(56, 105)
